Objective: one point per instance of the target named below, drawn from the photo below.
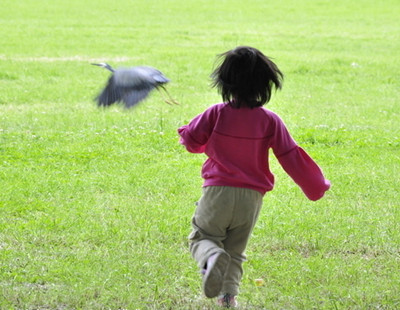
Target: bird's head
(104, 65)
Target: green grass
(95, 205)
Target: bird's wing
(152, 73)
(160, 78)
(132, 96)
(110, 94)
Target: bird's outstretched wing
(110, 94)
(132, 96)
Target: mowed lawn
(95, 204)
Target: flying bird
(132, 85)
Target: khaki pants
(223, 221)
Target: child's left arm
(298, 164)
(305, 173)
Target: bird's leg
(162, 95)
(169, 100)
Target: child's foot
(227, 301)
(214, 275)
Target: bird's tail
(104, 65)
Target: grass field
(95, 205)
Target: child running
(236, 136)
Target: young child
(236, 136)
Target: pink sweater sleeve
(305, 173)
(195, 135)
(297, 163)
(191, 144)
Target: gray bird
(131, 85)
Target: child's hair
(246, 77)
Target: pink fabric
(237, 143)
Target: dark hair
(246, 77)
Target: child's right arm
(195, 135)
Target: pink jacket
(237, 143)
